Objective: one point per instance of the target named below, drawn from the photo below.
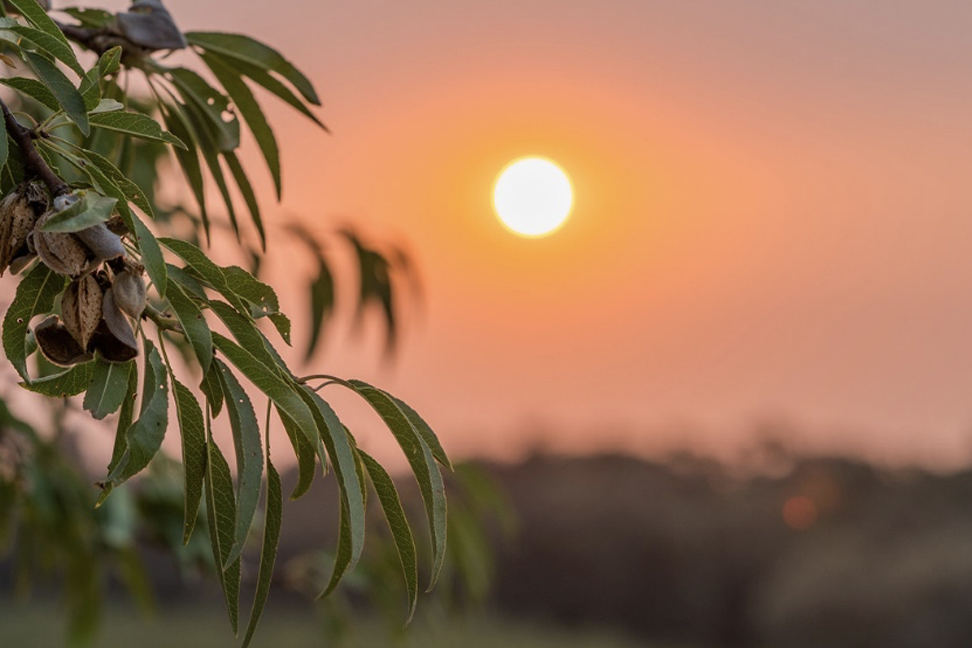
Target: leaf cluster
(84, 140)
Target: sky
(772, 220)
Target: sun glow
(533, 197)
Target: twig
(24, 139)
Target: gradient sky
(773, 216)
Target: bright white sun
(533, 196)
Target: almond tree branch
(24, 139)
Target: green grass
(34, 624)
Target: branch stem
(24, 139)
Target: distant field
(35, 625)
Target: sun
(533, 197)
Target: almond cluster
(106, 287)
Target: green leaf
(335, 439)
(306, 457)
(211, 105)
(106, 106)
(193, 324)
(192, 430)
(4, 147)
(35, 296)
(200, 265)
(268, 555)
(248, 50)
(261, 296)
(48, 44)
(110, 61)
(248, 336)
(67, 383)
(398, 525)
(249, 457)
(246, 189)
(90, 209)
(90, 89)
(261, 77)
(67, 95)
(178, 124)
(37, 16)
(209, 149)
(144, 437)
(428, 436)
(321, 305)
(93, 18)
(35, 90)
(221, 510)
(106, 390)
(130, 191)
(189, 284)
(213, 388)
(251, 112)
(136, 125)
(125, 418)
(270, 382)
(422, 462)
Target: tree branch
(24, 139)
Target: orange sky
(773, 212)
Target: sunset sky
(773, 213)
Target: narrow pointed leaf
(136, 125)
(249, 457)
(35, 296)
(211, 106)
(306, 457)
(56, 47)
(221, 511)
(200, 265)
(277, 389)
(144, 437)
(248, 336)
(177, 123)
(401, 532)
(422, 462)
(251, 112)
(338, 446)
(268, 555)
(125, 417)
(428, 436)
(67, 95)
(35, 90)
(193, 324)
(209, 149)
(246, 190)
(213, 388)
(37, 16)
(106, 390)
(248, 50)
(192, 430)
(62, 385)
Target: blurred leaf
(221, 511)
(268, 555)
(106, 390)
(251, 112)
(422, 462)
(67, 95)
(125, 418)
(93, 18)
(35, 296)
(398, 525)
(193, 324)
(90, 209)
(144, 438)
(249, 457)
(61, 385)
(107, 105)
(248, 50)
(136, 125)
(321, 305)
(192, 430)
(37, 16)
(35, 90)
